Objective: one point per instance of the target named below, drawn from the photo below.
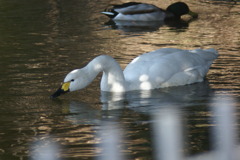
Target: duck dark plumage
(135, 11)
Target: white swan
(161, 68)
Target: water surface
(41, 41)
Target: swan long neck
(112, 79)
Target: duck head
(179, 9)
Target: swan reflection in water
(179, 95)
(146, 102)
(168, 137)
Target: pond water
(41, 41)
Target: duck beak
(193, 14)
(64, 88)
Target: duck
(161, 68)
(135, 11)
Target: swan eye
(72, 80)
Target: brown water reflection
(42, 41)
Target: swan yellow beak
(193, 14)
(64, 88)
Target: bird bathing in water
(134, 11)
(157, 69)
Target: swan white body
(161, 68)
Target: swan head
(75, 80)
(179, 9)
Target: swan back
(168, 67)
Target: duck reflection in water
(141, 26)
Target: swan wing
(168, 67)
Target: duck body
(134, 11)
(157, 69)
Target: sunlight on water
(42, 41)
(168, 134)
